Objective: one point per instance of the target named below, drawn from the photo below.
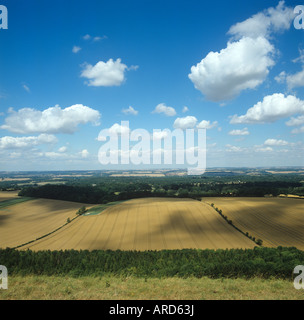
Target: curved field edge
(110, 287)
(258, 262)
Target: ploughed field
(277, 221)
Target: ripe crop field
(8, 195)
(26, 221)
(277, 221)
(147, 224)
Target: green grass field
(111, 287)
(99, 208)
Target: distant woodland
(108, 189)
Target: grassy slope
(110, 287)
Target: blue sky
(70, 69)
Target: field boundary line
(219, 211)
(46, 235)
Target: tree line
(105, 190)
(261, 261)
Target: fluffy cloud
(271, 109)
(295, 80)
(162, 108)
(185, 123)
(113, 131)
(281, 77)
(275, 142)
(264, 23)
(51, 120)
(130, 110)
(105, 74)
(295, 121)
(205, 124)
(237, 132)
(26, 142)
(245, 62)
(242, 65)
(84, 153)
(185, 109)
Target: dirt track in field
(147, 224)
(277, 221)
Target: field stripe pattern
(147, 224)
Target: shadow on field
(276, 221)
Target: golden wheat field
(26, 221)
(147, 224)
(7, 195)
(277, 221)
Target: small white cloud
(86, 37)
(26, 88)
(105, 74)
(76, 49)
(162, 108)
(62, 149)
(281, 78)
(84, 153)
(206, 124)
(188, 122)
(261, 149)
(298, 130)
(239, 132)
(295, 80)
(130, 110)
(185, 109)
(132, 68)
(275, 142)
(114, 131)
(295, 121)
(230, 148)
(98, 38)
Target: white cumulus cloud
(264, 23)
(162, 108)
(242, 65)
(51, 120)
(272, 108)
(185, 123)
(206, 124)
(105, 74)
